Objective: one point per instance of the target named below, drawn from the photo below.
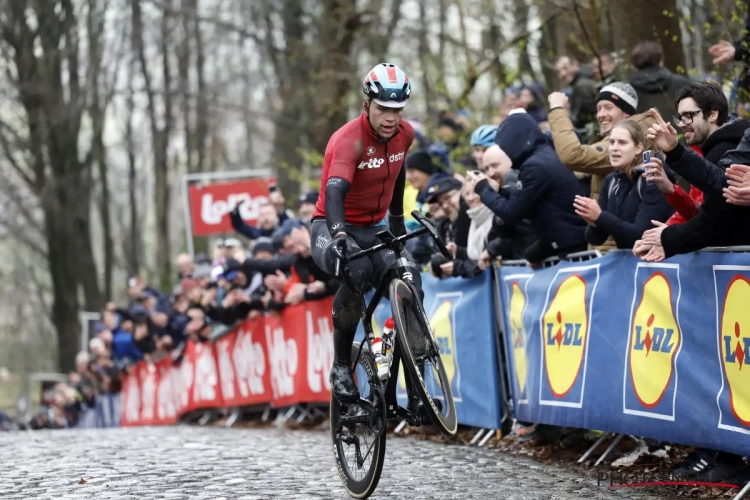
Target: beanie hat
(422, 161)
(622, 95)
(263, 245)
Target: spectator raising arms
(702, 113)
(627, 204)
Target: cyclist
(363, 178)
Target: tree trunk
(104, 212)
(425, 57)
(162, 189)
(62, 251)
(53, 94)
(183, 73)
(203, 115)
(525, 70)
(133, 247)
(291, 68)
(339, 28)
(159, 138)
(97, 109)
(639, 20)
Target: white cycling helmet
(387, 85)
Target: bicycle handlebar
(428, 226)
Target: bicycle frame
(402, 269)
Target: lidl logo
(565, 327)
(517, 334)
(654, 342)
(733, 297)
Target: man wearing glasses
(703, 112)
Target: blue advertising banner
(649, 349)
(467, 346)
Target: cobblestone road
(258, 464)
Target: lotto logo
(372, 163)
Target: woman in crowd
(627, 203)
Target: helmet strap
(372, 129)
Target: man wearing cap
(446, 192)
(615, 102)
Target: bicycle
(414, 345)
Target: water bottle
(381, 347)
(381, 363)
(388, 340)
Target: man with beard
(702, 113)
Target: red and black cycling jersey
(371, 168)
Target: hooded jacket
(656, 87)
(545, 188)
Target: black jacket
(627, 211)
(656, 87)
(509, 241)
(545, 188)
(718, 223)
(725, 138)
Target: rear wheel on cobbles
(358, 430)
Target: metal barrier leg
(609, 449)
(743, 492)
(487, 437)
(477, 436)
(234, 415)
(205, 418)
(304, 413)
(281, 419)
(593, 447)
(266, 414)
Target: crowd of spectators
(550, 176)
(550, 180)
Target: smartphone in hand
(647, 159)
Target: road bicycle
(354, 425)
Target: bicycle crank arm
(411, 418)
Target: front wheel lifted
(358, 430)
(421, 359)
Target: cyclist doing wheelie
(363, 178)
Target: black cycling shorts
(325, 258)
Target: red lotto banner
(278, 359)
(210, 204)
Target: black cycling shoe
(342, 384)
